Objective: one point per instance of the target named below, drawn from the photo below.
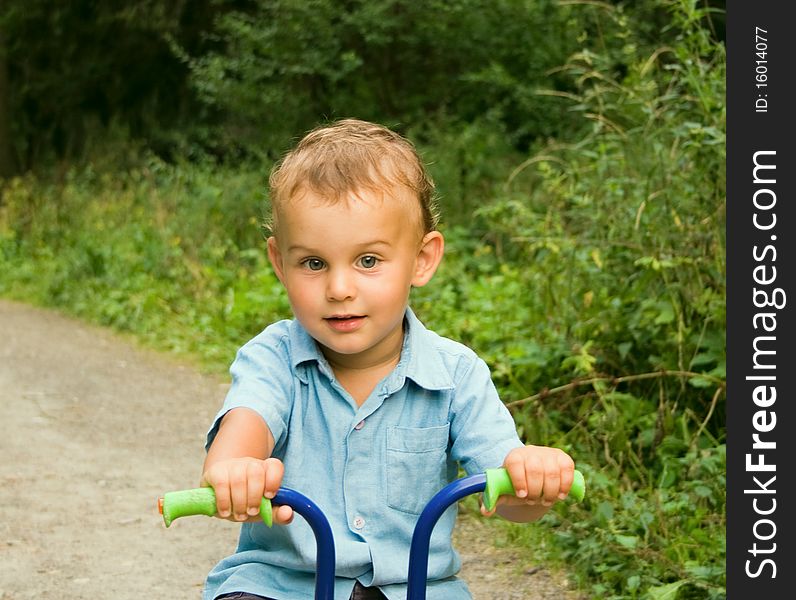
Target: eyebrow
(305, 249)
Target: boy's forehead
(361, 218)
(313, 224)
(393, 198)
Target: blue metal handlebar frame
(421, 537)
(324, 540)
(325, 556)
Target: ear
(275, 256)
(428, 258)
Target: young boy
(354, 403)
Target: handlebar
(498, 483)
(202, 501)
(493, 483)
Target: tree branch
(720, 383)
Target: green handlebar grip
(199, 501)
(498, 483)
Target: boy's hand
(241, 483)
(541, 475)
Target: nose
(340, 285)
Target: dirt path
(94, 430)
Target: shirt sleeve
(482, 428)
(262, 380)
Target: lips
(345, 323)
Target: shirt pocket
(416, 466)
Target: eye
(368, 262)
(314, 264)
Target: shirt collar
(420, 359)
(304, 349)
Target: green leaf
(703, 491)
(700, 382)
(633, 582)
(665, 592)
(604, 512)
(627, 541)
(665, 313)
(703, 358)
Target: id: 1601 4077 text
(761, 69)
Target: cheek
(301, 292)
(390, 288)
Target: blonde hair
(348, 156)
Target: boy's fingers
(274, 470)
(516, 471)
(278, 516)
(220, 486)
(223, 501)
(534, 475)
(567, 470)
(255, 484)
(239, 491)
(540, 474)
(283, 514)
(552, 483)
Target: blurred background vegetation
(578, 150)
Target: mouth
(345, 322)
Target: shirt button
(359, 522)
(359, 425)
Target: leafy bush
(278, 67)
(168, 253)
(612, 249)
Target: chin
(345, 349)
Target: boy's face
(348, 268)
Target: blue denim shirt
(370, 468)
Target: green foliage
(78, 70)
(599, 272)
(646, 542)
(280, 66)
(171, 254)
